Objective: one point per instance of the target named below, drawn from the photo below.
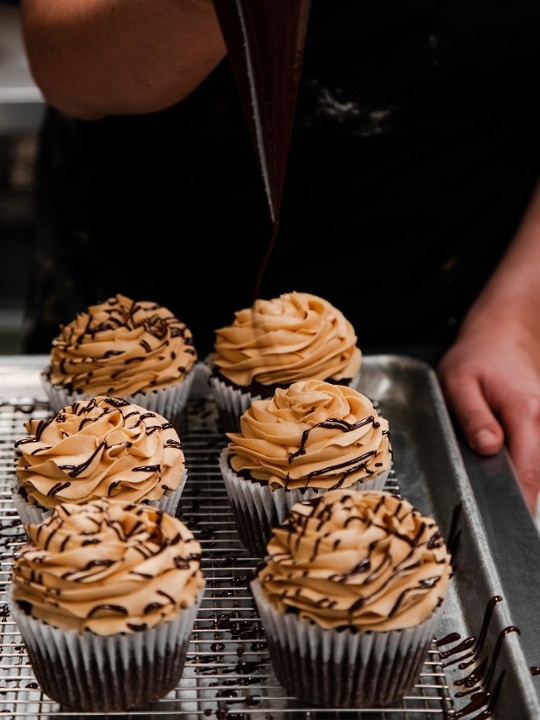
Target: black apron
(414, 154)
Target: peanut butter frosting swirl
(311, 434)
(120, 347)
(288, 338)
(101, 447)
(367, 560)
(107, 567)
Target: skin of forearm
(491, 374)
(513, 290)
(107, 57)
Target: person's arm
(92, 58)
(491, 375)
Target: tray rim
(30, 364)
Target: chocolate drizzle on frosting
(121, 347)
(101, 447)
(311, 434)
(364, 560)
(141, 568)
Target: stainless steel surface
(513, 539)
(477, 667)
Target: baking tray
(476, 666)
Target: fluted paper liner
(31, 513)
(150, 662)
(344, 668)
(258, 509)
(167, 401)
(231, 402)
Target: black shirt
(414, 154)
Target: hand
(491, 381)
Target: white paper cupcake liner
(30, 513)
(170, 499)
(169, 402)
(258, 509)
(344, 668)
(99, 673)
(232, 402)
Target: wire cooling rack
(228, 674)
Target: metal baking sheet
(476, 667)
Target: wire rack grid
(228, 674)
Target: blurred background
(20, 114)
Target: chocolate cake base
(116, 685)
(346, 685)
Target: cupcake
(105, 596)
(102, 447)
(350, 595)
(136, 350)
(277, 342)
(309, 438)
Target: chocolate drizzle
(111, 465)
(155, 349)
(315, 459)
(381, 570)
(339, 424)
(104, 539)
(479, 684)
(109, 609)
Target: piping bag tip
(265, 42)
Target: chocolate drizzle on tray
(230, 656)
(484, 682)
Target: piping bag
(265, 43)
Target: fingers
(481, 429)
(491, 411)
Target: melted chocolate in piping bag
(265, 42)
